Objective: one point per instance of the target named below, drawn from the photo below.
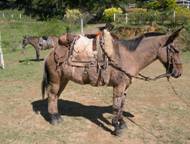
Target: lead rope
(176, 93)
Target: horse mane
(95, 35)
(151, 34)
(132, 44)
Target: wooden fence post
(81, 26)
(2, 65)
(114, 17)
(126, 18)
(174, 16)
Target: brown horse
(39, 43)
(124, 59)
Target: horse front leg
(37, 54)
(119, 94)
(54, 116)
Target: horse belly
(89, 75)
(100, 78)
(74, 74)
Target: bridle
(171, 51)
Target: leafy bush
(182, 15)
(129, 10)
(152, 5)
(72, 16)
(143, 17)
(161, 4)
(108, 14)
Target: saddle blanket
(83, 50)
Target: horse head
(169, 55)
(25, 41)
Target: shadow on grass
(27, 60)
(74, 109)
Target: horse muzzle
(176, 74)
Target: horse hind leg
(54, 116)
(63, 84)
(118, 105)
(54, 91)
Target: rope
(176, 93)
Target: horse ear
(108, 26)
(173, 36)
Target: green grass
(12, 31)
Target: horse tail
(45, 80)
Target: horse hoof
(55, 119)
(54, 122)
(117, 132)
(123, 126)
(59, 118)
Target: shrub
(161, 4)
(152, 5)
(143, 17)
(109, 13)
(72, 16)
(129, 10)
(182, 15)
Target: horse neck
(146, 53)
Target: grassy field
(160, 116)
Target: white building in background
(185, 3)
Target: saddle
(85, 51)
(88, 50)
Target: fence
(143, 18)
(17, 16)
(2, 65)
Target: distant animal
(39, 43)
(120, 62)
